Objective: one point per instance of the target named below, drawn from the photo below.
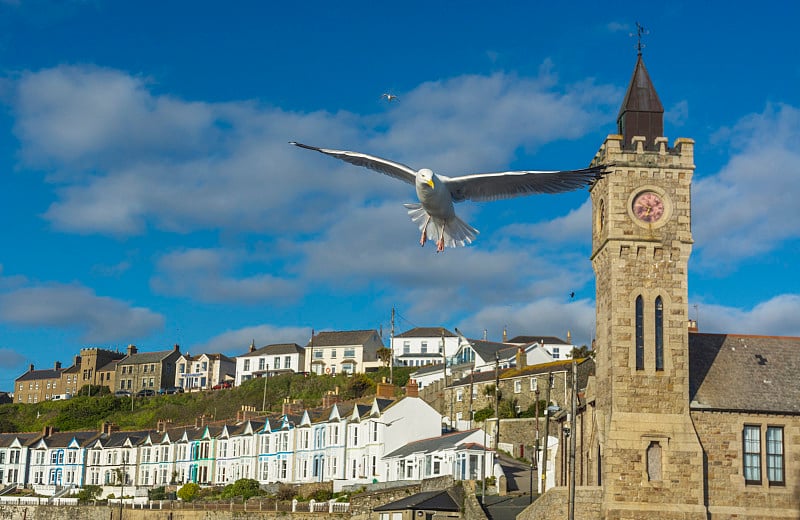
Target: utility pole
(546, 431)
(471, 381)
(573, 434)
(497, 399)
(391, 350)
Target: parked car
(220, 386)
(171, 390)
(122, 393)
(145, 392)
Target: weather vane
(640, 31)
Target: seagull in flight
(435, 214)
(389, 97)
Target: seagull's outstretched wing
(385, 166)
(503, 185)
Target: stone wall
(727, 495)
(555, 504)
(112, 513)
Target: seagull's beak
(430, 183)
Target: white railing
(37, 501)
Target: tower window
(752, 454)
(639, 333)
(659, 334)
(654, 461)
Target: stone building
(93, 365)
(147, 370)
(39, 385)
(675, 424)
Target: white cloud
(750, 206)
(237, 342)
(545, 317)
(10, 358)
(203, 275)
(74, 307)
(778, 316)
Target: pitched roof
(548, 340)
(426, 332)
(32, 375)
(744, 373)
(25, 439)
(276, 349)
(486, 349)
(432, 444)
(641, 112)
(440, 500)
(342, 338)
(146, 357)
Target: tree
(188, 491)
(359, 385)
(385, 355)
(581, 352)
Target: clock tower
(649, 459)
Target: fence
(252, 505)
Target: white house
(422, 346)
(14, 457)
(462, 455)
(270, 360)
(344, 351)
(203, 371)
(58, 459)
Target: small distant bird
(435, 214)
(571, 295)
(389, 97)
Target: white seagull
(390, 97)
(435, 214)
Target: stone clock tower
(649, 459)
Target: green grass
(86, 413)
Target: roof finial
(640, 31)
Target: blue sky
(149, 195)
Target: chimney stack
(384, 390)
(693, 326)
(330, 398)
(57, 365)
(47, 431)
(521, 357)
(253, 346)
(176, 348)
(412, 388)
(132, 350)
(31, 368)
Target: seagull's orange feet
(440, 245)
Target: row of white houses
(347, 443)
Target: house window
(517, 386)
(247, 364)
(262, 362)
(775, 455)
(639, 333)
(406, 347)
(318, 354)
(333, 352)
(659, 334)
(287, 361)
(348, 353)
(459, 395)
(534, 384)
(751, 439)
(277, 363)
(556, 353)
(424, 347)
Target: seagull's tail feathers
(457, 233)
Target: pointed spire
(641, 113)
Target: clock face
(648, 207)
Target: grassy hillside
(83, 412)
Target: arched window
(654, 461)
(659, 334)
(639, 333)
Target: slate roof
(276, 349)
(432, 444)
(426, 332)
(343, 338)
(32, 375)
(26, 439)
(549, 340)
(427, 500)
(744, 373)
(486, 349)
(427, 369)
(146, 357)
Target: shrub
(244, 487)
(188, 492)
(89, 493)
(286, 492)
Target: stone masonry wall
(727, 494)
